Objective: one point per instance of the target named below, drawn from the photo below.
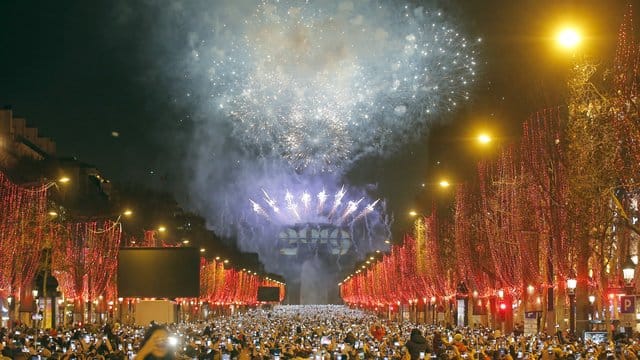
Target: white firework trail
(352, 206)
(291, 205)
(270, 202)
(306, 200)
(322, 198)
(322, 213)
(258, 209)
(337, 201)
(367, 210)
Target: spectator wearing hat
(459, 344)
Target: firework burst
(323, 82)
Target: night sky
(78, 73)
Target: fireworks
(323, 82)
(296, 208)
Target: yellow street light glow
(444, 184)
(64, 180)
(387, 242)
(371, 258)
(53, 213)
(202, 250)
(217, 257)
(185, 241)
(413, 213)
(162, 229)
(484, 139)
(127, 212)
(226, 261)
(568, 38)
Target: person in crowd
(155, 345)
(417, 345)
(304, 332)
(378, 332)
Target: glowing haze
(321, 83)
(285, 96)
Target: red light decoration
(230, 286)
(23, 224)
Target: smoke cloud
(285, 96)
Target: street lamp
(484, 138)
(64, 179)
(572, 283)
(413, 213)
(127, 212)
(444, 184)
(568, 38)
(162, 229)
(628, 271)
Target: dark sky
(71, 71)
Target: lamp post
(36, 308)
(592, 304)
(433, 310)
(629, 274)
(572, 283)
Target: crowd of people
(301, 332)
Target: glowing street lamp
(127, 212)
(628, 271)
(64, 179)
(568, 38)
(484, 139)
(162, 229)
(444, 184)
(202, 250)
(413, 213)
(572, 283)
(53, 213)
